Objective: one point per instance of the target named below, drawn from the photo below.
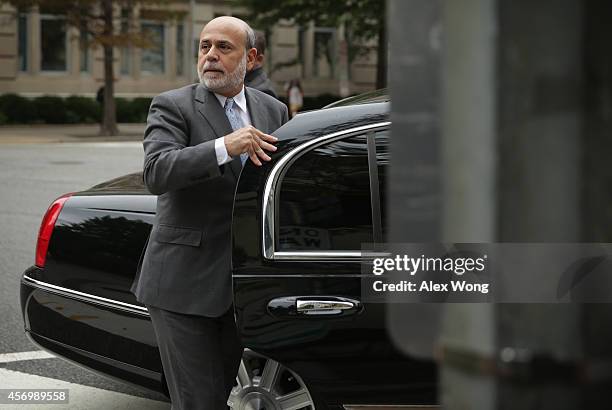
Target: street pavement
(38, 164)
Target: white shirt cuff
(222, 155)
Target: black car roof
(339, 116)
(377, 96)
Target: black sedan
(299, 222)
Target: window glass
(324, 201)
(383, 151)
(126, 58)
(84, 49)
(302, 34)
(52, 44)
(180, 49)
(22, 24)
(153, 57)
(324, 52)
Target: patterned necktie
(235, 122)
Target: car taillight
(46, 229)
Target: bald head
(235, 24)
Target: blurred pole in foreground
(414, 203)
(443, 167)
(488, 135)
(468, 174)
(540, 85)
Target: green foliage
(82, 110)
(51, 110)
(125, 113)
(363, 19)
(141, 106)
(132, 110)
(15, 109)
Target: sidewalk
(36, 134)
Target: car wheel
(265, 384)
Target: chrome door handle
(322, 306)
(313, 306)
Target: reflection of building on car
(299, 222)
(301, 237)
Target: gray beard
(228, 81)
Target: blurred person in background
(295, 97)
(256, 77)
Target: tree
(363, 20)
(97, 20)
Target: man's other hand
(252, 141)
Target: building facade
(40, 55)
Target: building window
(302, 33)
(84, 49)
(53, 43)
(126, 58)
(192, 68)
(324, 61)
(153, 57)
(22, 46)
(180, 49)
(324, 201)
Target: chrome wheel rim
(265, 384)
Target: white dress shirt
(240, 108)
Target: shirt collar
(239, 100)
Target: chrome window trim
(84, 297)
(307, 275)
(329, 256)
(268, 248)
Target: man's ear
(251, 58)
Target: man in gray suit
(196, 141)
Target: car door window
(324, 202)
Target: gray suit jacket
(186, 266)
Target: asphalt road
(31, 177)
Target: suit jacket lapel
(258, 117)
(213, 113)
